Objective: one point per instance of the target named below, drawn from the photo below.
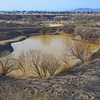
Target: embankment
(6, 44)
(79, 83)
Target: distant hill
(87, 9)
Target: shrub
(22, 64)
(79, 50)
(65, 62)
(4, 53)
(52, 64)
(40, 63)
(7, 64)
(34, 60)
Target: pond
(52, 44)
(48, 43)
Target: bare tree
(41, 63)
(44, 64)
(13, 16)
(24, 18)
(34, 60)
(65, 62)
(22, 63)
(7, 64)
(32, 19)
(52, 64)
(79, 50)
(43, 30)
(65, 58)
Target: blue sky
(48, 5)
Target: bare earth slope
(80, 83)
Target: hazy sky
(48, 5)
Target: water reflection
(66, 40)
(48, 43)
(45, 40)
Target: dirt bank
(80, 83)
(6, 44)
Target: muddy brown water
(52, 44)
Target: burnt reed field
(78, 82)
